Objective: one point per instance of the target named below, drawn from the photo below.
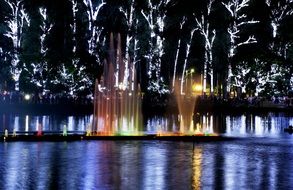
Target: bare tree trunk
(177, 54)
(185, 61)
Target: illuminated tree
(279, 11)
(187, 54)
(209, 34)
(48, 44)
(40, 69)
(131, 39)
(73, 75)
(239, 20)
(16, 21)
(94, 30)
(182, 22)
(5, 76)
(155, 16)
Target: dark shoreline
(85, 109)
(219, 109)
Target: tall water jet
(186, 99)
(117, 98)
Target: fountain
(186, 93)
(185, 99)
(117, 98)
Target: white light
(27, 97)
(121, 86)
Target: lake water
(260, 159)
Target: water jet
(117, 97)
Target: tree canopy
(232, 45)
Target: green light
(64, 130)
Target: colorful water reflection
(200, 124)
(267, 125)
(255, 163)
(28, 124)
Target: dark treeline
(59, 47)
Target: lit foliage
(155, 17)
(239, 20)
(209, 35)
(60, 46)
(16, 21)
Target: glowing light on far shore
(27, 97)
(197, 87)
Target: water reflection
(29, 123)
(232, 125)
(255, 125)
(196, 167)
(171, 123)
(251, 164)
(153, 171)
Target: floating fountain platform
(148, 137)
